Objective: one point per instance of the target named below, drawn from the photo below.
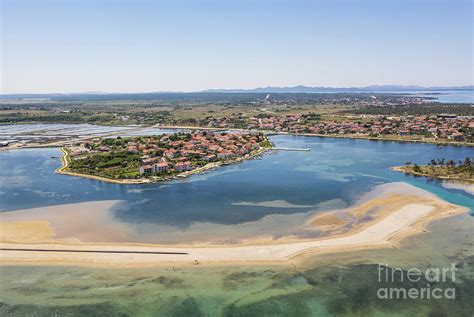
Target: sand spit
(460, 185)
(390, 212)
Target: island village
(162, 156)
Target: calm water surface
(332, 285)
(335, 172)
(466, 96)
(444, 96)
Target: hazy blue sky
(138, 46)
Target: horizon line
(217, 90)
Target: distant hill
(374, 88)
(212, 93)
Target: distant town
(381, 116)
(446, 127)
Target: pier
(290, 149)
(93, 251)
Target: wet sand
(388, 214)
(247, 290)
(71, 223)
(460, 185)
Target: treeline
(57, 118)
(445, 167)
(87, 117)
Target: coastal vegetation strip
(441, 168)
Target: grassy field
(148, 112)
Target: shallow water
(250, 195)
(55, 130)
(326, 285)
(334, 174)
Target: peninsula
(145, 159)
(441, 168)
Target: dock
(290, 149)
(93, 251)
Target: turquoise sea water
(328, 285)
(340, 169)
(331, 285)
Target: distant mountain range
(375, 88)
(295, 89)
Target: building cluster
(442, 126)
(397, 101)
(376, 100)
(185, 152)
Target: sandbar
(383, 217)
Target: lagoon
(335, 173)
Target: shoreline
(337, 136)
(407, 218)
(65, 161)
(402, 169)
(268, 132)
(362, 137)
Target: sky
(190, 45)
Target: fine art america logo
(414, 283)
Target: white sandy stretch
(376, 234)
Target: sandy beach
(380, 219)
